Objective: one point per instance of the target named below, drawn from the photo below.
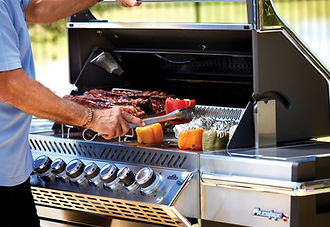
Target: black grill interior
(212, 66)
(222, 80)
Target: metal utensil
(180, 114)
(108, 63)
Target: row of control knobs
(110, 175)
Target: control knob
(127, 177)
(108, 175)
(58, 168)
(42, 166)
(148, 180)
(75, 170)
(92, 172)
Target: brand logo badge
(270, 214)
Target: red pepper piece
(175, 104)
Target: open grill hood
(216, 64)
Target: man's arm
(47, 11)
(28, 95)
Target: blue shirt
(15, 52)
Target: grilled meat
(129, 94)
(136, 103)
(103, 104)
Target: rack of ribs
(139, 104)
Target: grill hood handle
(265, 117)
(272, 95)
(245, 133)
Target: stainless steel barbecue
(255, 75)
(119, 179)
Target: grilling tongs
(181, 114)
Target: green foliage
(47, 32)
(149, 12)
(49, 40)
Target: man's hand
(113, 122)
(128, 3)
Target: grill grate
(211, 65)
(105, 206)
(121, 152)
(219, 113)
(113, 152)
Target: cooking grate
(129, 153)
(217, 65)
(105, 206)
(219, 113)
(113, 152)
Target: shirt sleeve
(9, 42)
(25, 3)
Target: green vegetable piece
(214, 140)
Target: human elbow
(39, 13)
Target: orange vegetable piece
(150, 134)
(191, 139)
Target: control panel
(103, 178)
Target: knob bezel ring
(76, 170)
(110, 175)
(45, 166)
(127, 177)
(146, 180)
(58, 166)
(92, 170)
(154, 186)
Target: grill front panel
(105, 206)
